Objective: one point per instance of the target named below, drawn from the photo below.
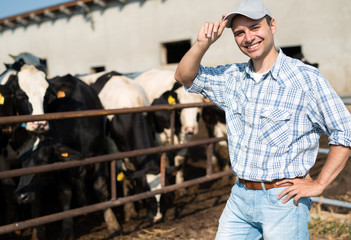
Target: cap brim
(252, 15)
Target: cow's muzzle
(37, 126)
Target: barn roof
(53, 12)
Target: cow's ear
(8, 66)
(42, 61)
(18, 64)
(65, 90)
(41, 67)
(175, 96)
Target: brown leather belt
(251, 185)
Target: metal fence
(112, 158)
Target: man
(276, 109)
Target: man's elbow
(183, 81)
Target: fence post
(209, 154)
(113, 180)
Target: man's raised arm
(189, 65)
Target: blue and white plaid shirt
(274, 125)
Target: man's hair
(268, 19)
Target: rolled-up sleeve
(211, 82)
(331, 114)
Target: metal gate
(112, 158)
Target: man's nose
(249, 37)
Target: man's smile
(253, 46)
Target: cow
(156, 82)
(161, 120)
(85, 135)
(214, 119)
(7, 157)
(32, 189)
(130, 132)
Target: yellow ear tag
(61, 94)
(2, 99)
(171, 100)
(120, 177)
(207, 100)
(64, 154)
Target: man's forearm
(336, 161)
(337, 158)
(189, 66)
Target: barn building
(86, 36)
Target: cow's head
(160, 120)
(29, 87)
(63, 91)
(37, 152)
(189, 117)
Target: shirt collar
(278, 64)
(275, 68)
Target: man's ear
(273, 25)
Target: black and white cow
(160, 120)
(84, 135)
(156, 82)
(47, 190)
(131, 132)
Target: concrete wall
(129, 38)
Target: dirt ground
(195, 214)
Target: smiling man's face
(254, 37)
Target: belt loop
(263, 186)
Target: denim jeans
(251, 214)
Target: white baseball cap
(253, 9)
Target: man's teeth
(252, 46)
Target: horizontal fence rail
(345, 96)
(332, 202)
(95, 113)
(104, 158)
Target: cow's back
(155, 82)
(122, 92)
